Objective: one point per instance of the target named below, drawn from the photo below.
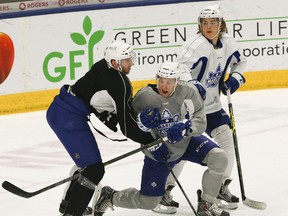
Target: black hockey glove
(109, 119)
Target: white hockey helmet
(212, 11)
(169, 70)
(119, 50)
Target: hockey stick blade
(254, 204)
(20, 192)
(16, 190)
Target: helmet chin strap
(119, 68)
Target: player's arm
(198, 118)
(236, 78)
(127, 117)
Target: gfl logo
(88, 40)
(6, 56)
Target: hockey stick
(20, 192)
(251, 203)
(181, 188)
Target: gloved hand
(109, 119)
(233, 83)
(160, 152)
(200, 88)
(149, 119)
(179, 130)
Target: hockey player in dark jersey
(106, 91)
(173, 111)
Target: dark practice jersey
(107, 89)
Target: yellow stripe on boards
(40, 100)
(26, 102)
(265, 80)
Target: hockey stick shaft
(245, 200)
(236, 148)
(182, 190)
(20, 192)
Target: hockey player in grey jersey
(208, 56)
(176, 111)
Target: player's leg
(218, 127)
(167, 205)
(154, 175)
(67, 116)
(67, 191)
(204, 151)
(223, 136)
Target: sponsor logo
(54, 68)
(62, 3)
(4, 8)
(24, 6)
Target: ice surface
(31, 157)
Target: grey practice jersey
(173, 109)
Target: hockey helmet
(212, 11)
(169, 70)
(119, 50)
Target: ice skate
(208, 209)
(88, 210)
(104, 200)
(167, 205)
(225, 198)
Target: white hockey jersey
(209, 65)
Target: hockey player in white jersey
(176, 111)
(208, 57)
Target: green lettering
(61, 71)
(73, 63)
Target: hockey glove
(149, 119)
(200, 88)
(109, 119)
(234, 81)
(179, 130)
(160, 152)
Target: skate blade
(165, 209)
